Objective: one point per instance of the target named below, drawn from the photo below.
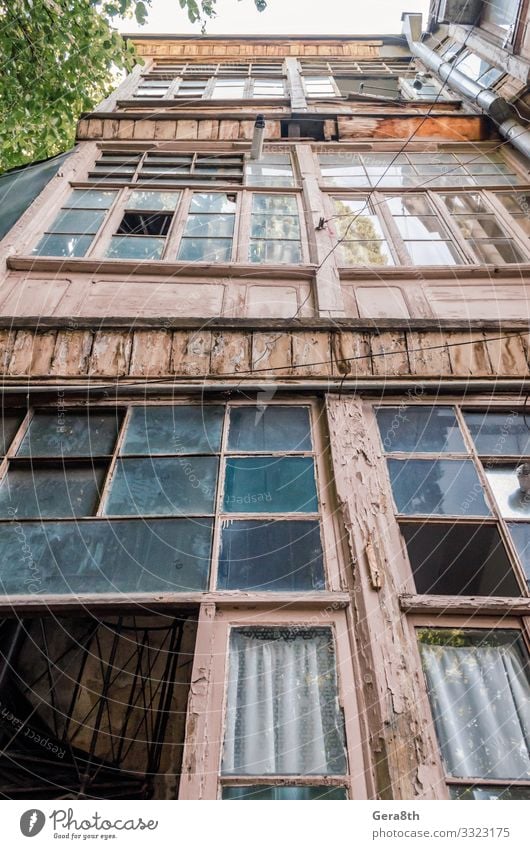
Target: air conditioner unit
(459, 11)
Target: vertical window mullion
(218, 506)
(395, 238)
(456, 236)
(107, 483)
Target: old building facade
(265, 396)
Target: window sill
(464, 604)
(434, 272)
(161, 268)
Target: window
(144, 226)
(363, 67)
(470, 64)
(517, 204)
(212, 81)
(422, 87)
(275, 229)
(415, 170)
(143, 484)
(500, 16)
(422, 229)
(282, 713)
(272, 169)
(319, 87)
(209, 228)
(168, 168)
(73, 230)
(450, 498)
(479, 690)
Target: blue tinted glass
(177, 429)
(272, 792)
(51, 492)
(78, 221)
(271, 556)
(106, 556)
(438, 487)
(499, 433)
(269, 429)
(62, 434)
(419, 429)
(52, 245)
(155, 486)
(270, 485)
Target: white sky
(304, 17)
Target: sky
(305, 17)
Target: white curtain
(480, 695)
(283, 716)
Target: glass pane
(425, 227)
(272, 792)
(277, 251)
(177, 429)
(437, 487)
(468, 204)
(51, 245)
(212, 202)
(487, 793)
(366, 253)
(154, 486)
(409, 205)
(433, 253)
(497, 251)
(51, 492)
(78, 221)
(205, 250)
(153, 200)
(271, 170)
(499, 433)
(269, 428)
(67, 434)
(90, 199)
(9, 425)
(479, 693)
(268, 227)
(282, 714)
(274, 204)
(358, 226)
(479, 227)
(459, 559)
(520, 532)
(516, 204)
(270, 485)
(103, 556)
(136, 247)
(511, 488)
(420, 429)
(277, 556)
(209, 225)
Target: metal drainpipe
(498, 109)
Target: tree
(59, 58)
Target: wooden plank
(271, 354)
(351, 354)
(230, 353)
(111, 353)
(32, 353)
(229, 129)
(208, 130)
(126, 130)
(151, 353)
(71, 353)
(428, 354)
(165, 129)
(468, 354)
(273, 130)
(190, 352)
(186, 130)
(144, 129)
(311, 354)
(7, 341)
(111, 128)
(95, 128)
(389, 353)
(246, 130)
(451, 604)
(507, 356)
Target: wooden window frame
(506, 39)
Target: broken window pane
(171, 555)
(272, 792)
(271, 556)
(51, 492)
(459, 559)
(156, 486)
(283, 715)
(420, 429)
(499, 433)
(69, 434)
(479, 692)
(438, 487)
(176, 429)
(270, 485)
(271, 428)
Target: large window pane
(511, 488)
(69, 434)
(270, 485)
(459, 559)
(420, 429)
(479, 691)
(78, 221)
(499, 433)
(437, 487)
(51, 492)
(103, 556)
(52, 245)
(163, 486)
(282, 715)
(291, 794)
(272, 428)
(177, 429)
(271, 556)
